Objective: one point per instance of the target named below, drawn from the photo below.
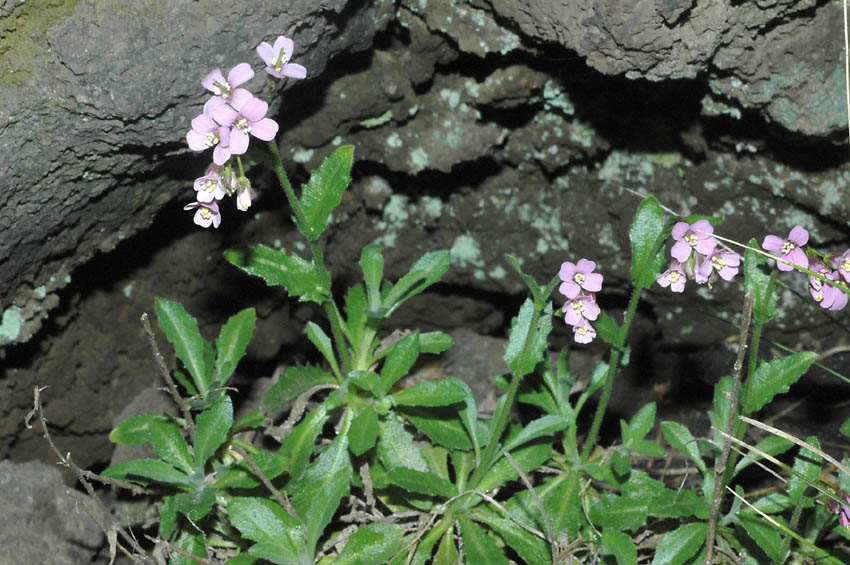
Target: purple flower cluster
(698, 256)
(580, 285)
(835, 269)
(229, 117)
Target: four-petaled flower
(692, 236)
(206, 214)
(206, 133)
(225, 87)
(579, 308)
(583, 332)
(829, 296)
(789, 248)
(245, 114)
(277, 56)
(578, 277)
(209, 186)
(674, 277)
(721, 261)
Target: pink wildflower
(225, 88)
(277, 58)
(842, 264)
(722, 261)
(244, 194)
(207, 213)
(580, 308)
(583, 332)
(789, 248)
(692, 236)
(578, 277)
(209, 186)
(829, 296)
(206, 133)
(843, 510)
(674, 277)
(245, 114)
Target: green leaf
(298, 445)
(399, 361)
(431, 393)
(647, 234)
(619, 513)
(720, 415)
(422, 482)
(374, 543)
(607, 329)
(541, 427)
(528, 546)
(845, 427)
(324, 484)
(447, 553)
(240, 475)
(772, 445)
(372, 264)
(662, 501)
(528, 457)
(681, 544)
(320, 339)
(396, 447)
(755, 279)
(198, 503)
(641, 423)
(526, 343)
(538, 293)
(213, 425)
(435, 342)
(161, 432)
(478, 546)
(428, 270)
(181, 329)
(765, 534)
(368, 381)
(167, 516)
(232, 343)
(807, 468)
(266, 522)
(300, 278)
(683, 441)
(190, 542)
(147, 471)
(364, 431)
(775, 377)
(442, 426)
(355, 314)
(323, 192)
(620, 546)
(292, 383)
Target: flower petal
(592, 282)
(265, 129)
(196, 141)
(225, 115)
(799, 235)
(585, 266)
(569, 289)
(772, 243)
(681, 251)
(212, 77)
(221, 154)
(264, 50)
(238, 141)
(567, 271)
(679, 230)
(239, 74)
(254, 109)
(294, 70)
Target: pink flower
(789, 249)
(207, 213)
(209, 186)
(244, 194)
(842, 264)
(722, 261)
(843, 510)
(245, 114)
(583, 332)
(579, 277)
(206, 133)
(694, 236)
(827, 295)
(219, 86)
(581, 308)
(674, 277)
(277, 59)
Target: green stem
(613, 363)
(284, 182)
(504, 414)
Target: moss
(378, 120)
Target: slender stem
(721, 469)
(613, 363)
(284, 182)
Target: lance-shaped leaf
(181, 329)
(295, 381)
(646, 235)
(681, 544)
(373, 543)
(528, 338)
(620, 545)
(541, 427)
(320, 339)
(755, 279)
(774, 377)
(681, 438)
(232, 343)
(431, 393)
(323, 192)
(161, 432)
(442, 425)
(147, 471)
(428, 270)
(300, 278)
(213, 426)
(478, 546)
(399, 361)
(372, 264)
(364, 431)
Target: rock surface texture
(480, 126)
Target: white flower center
(788, 247)
(718, 262)
(577, 306)
(280, 61)
(674, 276)
(578, 278)
(222, 89)
(691, 238)
(845, 265)
(244, 125)
(212, 139)
(206, 213)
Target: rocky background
(480, 126)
